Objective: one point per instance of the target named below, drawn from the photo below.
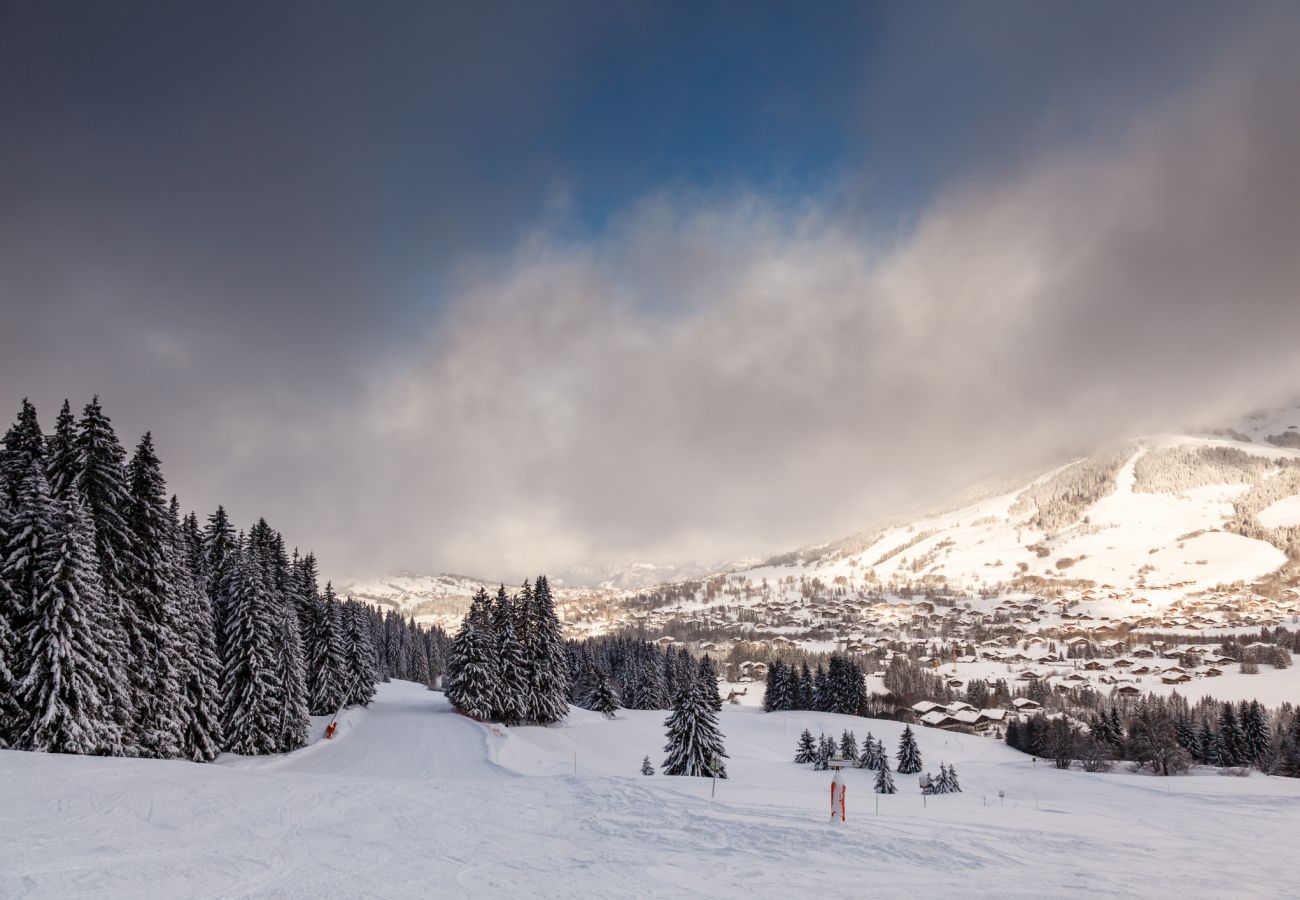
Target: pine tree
(23, 447)
(708, 678)
(327, 663)
(806, 751)
(62, 458)
(1255, 732)
(953, 784)
(825, 750)
(472, 676)
(1231, 742)
(884, 780)
(250, 712)
(103, 485)
(11, 667)
(219, 551)
(602, 698)
(360, 656)
(848, 745)
(201, 670)
(150, 611)
(512, 672)
(30, 528)
(646, 768)
(544, 651)
(63, 709)
(909, 755)
(695, 745)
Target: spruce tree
(806, 751)
(23, 447)
(953, 784)
(220, 548)
(602, 698)
(544, 652)
(646, 768)
(150, 611)
(250, 711)
(472, 674)
(884, 780)
(708, 678)
(825, 750)
(1230, 746)
(201, 669)
(512, 672)
(62, 458)
(909, 755)
(360, 655)
(10, 665)
(1255, 733)
(62, 705)
(327, 663)
(694, 745)
(848, 745)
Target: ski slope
(412, 800)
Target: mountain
(1171, 515)
(1165, 516)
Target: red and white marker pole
(837, 797)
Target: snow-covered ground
(412, 800)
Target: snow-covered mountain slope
(1163, 516)
(1166, 514)
(412, 800)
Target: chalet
(939, 719)
(1175, 678)
(1024, 704)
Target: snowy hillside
(412, 800)
(1167, 515)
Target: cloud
(715, 377)
(712, 374)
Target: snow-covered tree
(873, 753)
(22, 448)
(695, 745)
(359, 654)
(326, 663)
(200, 667)
(708, 678)
(848, 745)
(61, 697)
(806, 751)
(472, 677)
(909, 755)
(884, 780)
(511, 666)
(62, 458)
(544, 653)
(149, 611)
(646, 768)
(250, 713)
(825, 750)
(602, 697)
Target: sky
(500, 288)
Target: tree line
(127, 629)
(1168, 735)
(836, 688)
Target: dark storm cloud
(277, 238)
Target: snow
(1281, 514)
(411, 799)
